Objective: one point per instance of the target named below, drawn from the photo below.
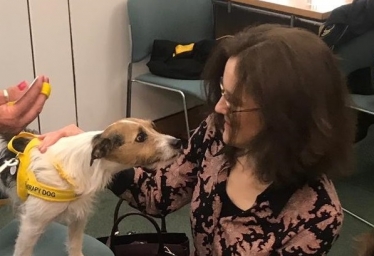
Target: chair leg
(128, 101)
(129, 85)
(185, 110)
(129, 90)
(359, 218)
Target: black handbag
(161, 243)
(187, 65)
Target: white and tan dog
(87, 162)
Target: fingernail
(22, 85)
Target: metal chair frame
(180, 92)
(370, 112)
(169, 20)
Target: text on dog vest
(41, 191)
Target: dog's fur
(365, 244)
(89, 159)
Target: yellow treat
(46, 89)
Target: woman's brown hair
(308, 130)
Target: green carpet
(361, 202)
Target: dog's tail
(365, 244)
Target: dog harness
(27, 184)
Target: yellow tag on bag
(180, 48)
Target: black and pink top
(298, 220)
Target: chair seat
(364, 103)
(191, 87)
(52, 242)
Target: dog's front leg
(75, 243)
(29, 233)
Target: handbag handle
(116, 213)
(159, 234)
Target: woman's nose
(221, 107)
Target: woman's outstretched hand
(15, 117)
(50, 138)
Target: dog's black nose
(176, 143)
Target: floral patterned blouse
(299, 220)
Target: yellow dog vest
(27, 184)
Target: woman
(13, 93)
(256, 171)
(14, 118)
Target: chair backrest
(175, 20)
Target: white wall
(16, 63)
(53, 57)
(99, 55)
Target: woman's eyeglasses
(229, 105)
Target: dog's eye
(141, 137)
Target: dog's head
(134, 142)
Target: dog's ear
(102, 146)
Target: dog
(83, 164)
(365, 244)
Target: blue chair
(174, 20)
(52, 242)
(363, 103)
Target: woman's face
(246, 113)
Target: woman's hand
(14, 118)
(15, 92)
(51, 138)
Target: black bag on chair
(186, 65)
(347, 22)
(160, 243)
